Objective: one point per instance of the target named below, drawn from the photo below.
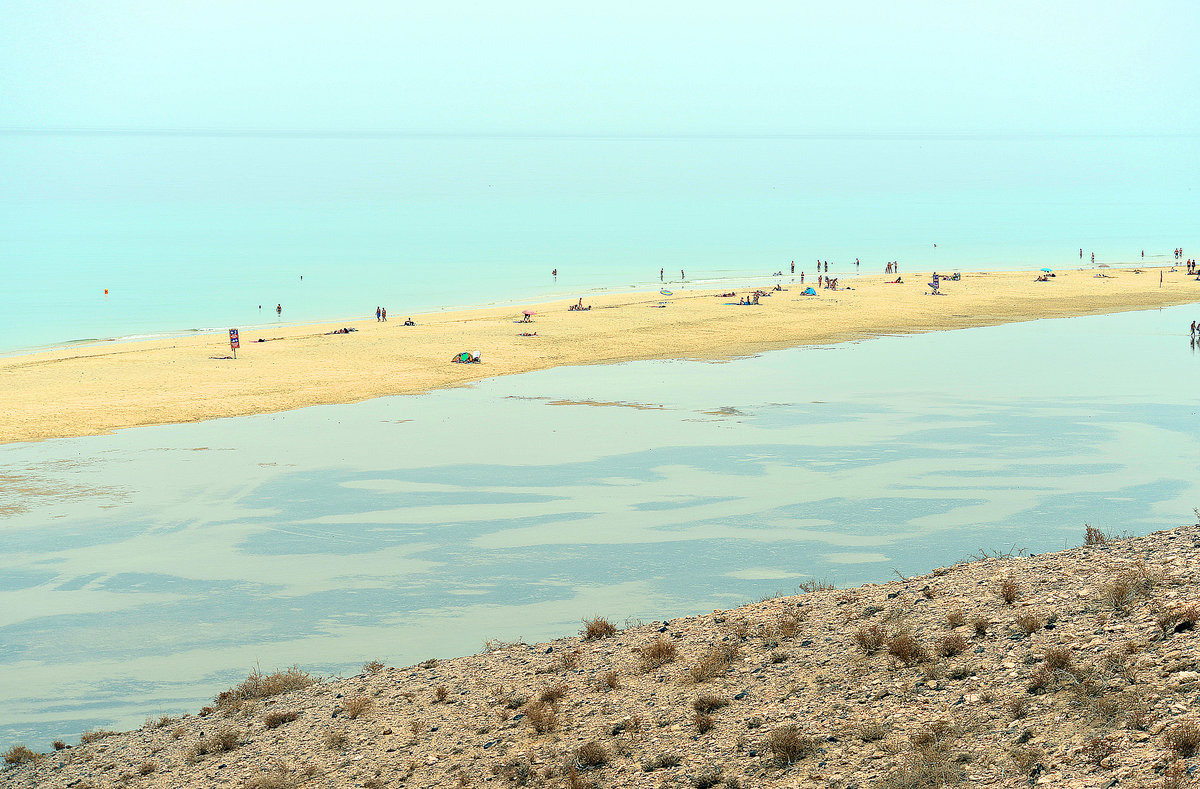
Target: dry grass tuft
(336, 740)
(981, 625)
(1030, 622)
(1058, 658)
(372, 667)
(261, 686)
(273, 720)
(598, 627)
(955, 618)
(870, 731)
(787, 745)
(222, 741)
(611, 680)
(904, 647)
(440, 693)
(1093, 536)
(281, 777)
(93, 735)
(871, 638)
(554, 693)
(1008, 589)
(357, 706)
(591, 755)
(661, 762)
(1127, 586)
(952, 644)
(1184, 738)
(541, 716)
(713, 663)
(656, 654)
(706, 702)
(704, 722)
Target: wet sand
(97, 389)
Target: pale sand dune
(87, 391)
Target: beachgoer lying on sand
(896, 281)
(1042, 278)
(527, 334)
(409, 322)
(467, 357)
(726, 295)
(777, 287)
(342, 330)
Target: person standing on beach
(681, 274)
(384, 311)
(554, 273)
(793, 267)
(279, 309)
(1093, 257)
(377, 311)
(1081, 253)
(660, 274)
(801, 277)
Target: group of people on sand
(1191, 265)
(1178, 253)
(381, 313)
(578, 306)
(893, 267)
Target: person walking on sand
(384, 311)
(554, 273)
(377, 310)
(279, 310)
(801, 277)
(660, 274)
(681, 276)
(793, 267)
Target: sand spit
(1089, 677)
(97, 389)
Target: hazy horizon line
(383, 134)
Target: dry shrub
(788, 624)
(1184, 738)
(519, 770)
(904, 647)
(19, 754)
(1097, 749)
(440, 693)
(599, 627)
(541, 716)
(780, 655)
(372, 667)
(870, 638)
(951, 644)
(704, 722)
(59, 745)
(955, 618)
(145, 768)
(273, 720)
(706, 702)
(611, 680)
(591, 755)
(660, 762)
(1127, 586)
(1176, 619)
(1093, 536)
(981, 624)
(553, 693)
(1030, 622)
(357, 706)
(281, 777)
(787, 745)
(1058, 658)
(1008, 589)
(1041, 678)
(260, 686)
(92, 735)
(336, 739)
(223, 740)
(713, 663)
(655, 654)
(1017, 706)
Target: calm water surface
(147, 570)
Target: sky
(616, 68)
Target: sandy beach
(96, 389)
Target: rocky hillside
(1076, 668)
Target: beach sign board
(233, 341)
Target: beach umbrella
(1047, 270)
(530, 312)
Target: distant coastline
(87, 389)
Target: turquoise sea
(196, 231)
(147, 570)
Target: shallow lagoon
(146, 570)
